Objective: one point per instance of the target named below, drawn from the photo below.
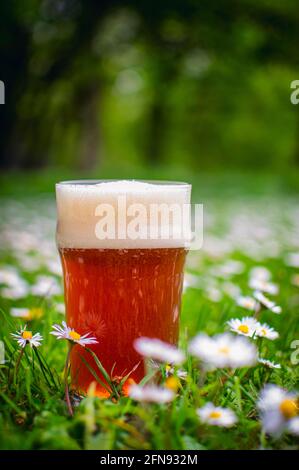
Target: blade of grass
(95, 375)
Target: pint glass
(120, 284)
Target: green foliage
(180, 83)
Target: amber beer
(118, 289)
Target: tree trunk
(91, 146)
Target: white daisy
(158, 350)
(231, 289)
(60, 308)
(247, 326)
(294, 426)
(279, 410)
(264, 286)
(216, 416)
(46, 285)
(292, 260)
(54, 266)
(266, 331)
(28, 263)
(267, 363)
(14, 286)
(265, 302)
(213, 293)
(65, 332)
(28, 314)
(186, 285)
(169, 371)
(223, 350)
(228, 269)
(261, 273)
(9, 276)
(24, 337)
(151, 394)
(246, 302)
(190, 280)
(18, 291)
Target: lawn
(251, 246)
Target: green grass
(33, 414)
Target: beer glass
(119, 286)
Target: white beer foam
(77, 218)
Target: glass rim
(90, 182)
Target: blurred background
(145, 88)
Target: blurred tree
(51, 73)
(53, 56)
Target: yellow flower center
(172, 383)
(289, 408)
(35, 313)
(263, 331)
(224, 350)
(74, 335)
(27, 335)
(243, 329)
(215, 414)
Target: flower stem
(18, 363)
(66, 386)
(238, 392)
(257, 311)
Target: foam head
(122, 214)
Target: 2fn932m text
(151, 459)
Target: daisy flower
(54, 266)
(292, 260)
(231, 289)
(216, 416)
(169, 371)
(172, 383)
(24, 337)
(151, 394)
(228, 269)
(213, 293)
(158, 350)
(9, 276)
(246, 302)
(294, 426)
(60, 308)
(260, 273)
(18, 291)
(247, 326)
(264, 286)
(279, 410)
(28, 314)
(265, 331)
(190, 280)
(267, 303)
(46, 285)
(65, 332)
(267, 363)
(223, 350)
